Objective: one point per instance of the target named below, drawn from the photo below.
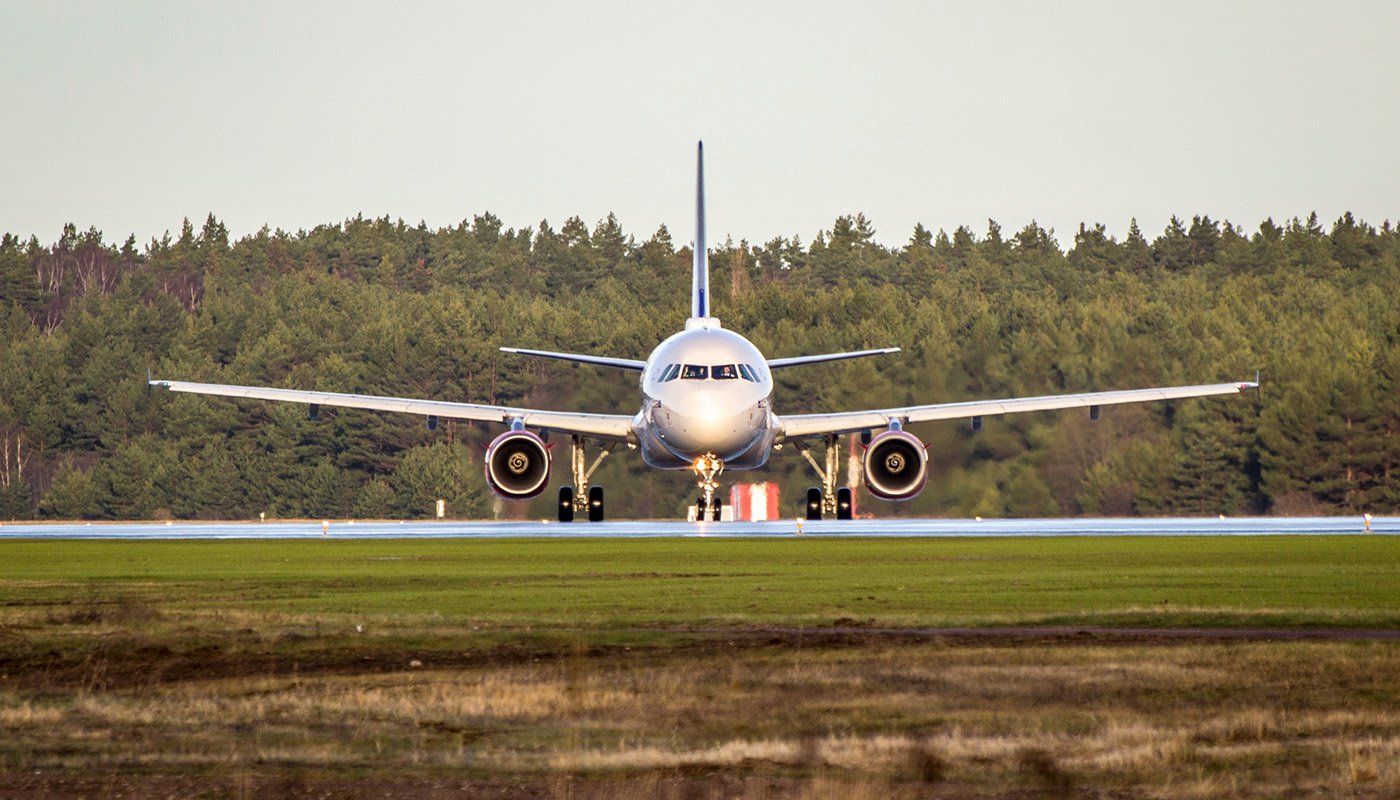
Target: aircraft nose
(710, 421)
(709, 404)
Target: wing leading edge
(610, 427)
(803, 425)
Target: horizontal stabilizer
(776, 363)
(603, 361)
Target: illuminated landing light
(709, 461)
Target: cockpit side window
(724, 372)
(746, 372)
(672, 372)
(695, 372)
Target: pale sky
(132, 116)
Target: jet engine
(517, 465)
(896, 465)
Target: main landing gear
(707, 468)
(828, 500)
(584, 498)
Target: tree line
(379, 306)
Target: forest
(383, 307)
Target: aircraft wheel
(814, 503)
(595, 504)
(843, 503)
(566, 504)
(700, 510)
(715, 506)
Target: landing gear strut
(581, 498)
(828, 500)
(707, 468)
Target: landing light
(705, 462)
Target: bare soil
(120, 663)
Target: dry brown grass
(1171, 720)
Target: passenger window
(724, 372)
(693, 372)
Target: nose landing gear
(710, 512)
(707, 468)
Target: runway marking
(883, 528)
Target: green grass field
(619, 583)
(579, 668)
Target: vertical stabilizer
(700, 280)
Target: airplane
(707, 407)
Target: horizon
(1065, 244)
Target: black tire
(566, 504)
(814, 503)
(700, 510)
(715, 505)
(595, 504)
(843, 503)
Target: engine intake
(896, 465)
(517, 465)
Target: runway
(949, 528)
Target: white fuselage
(706, 391)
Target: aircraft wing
(798, 426)
(793, 361)
(611, 427)
(604, 361)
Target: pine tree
(18, 285)
(1137, 253)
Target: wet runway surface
(344, 529)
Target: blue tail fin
(700, 280)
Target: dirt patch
(303, 786)
(117, 663)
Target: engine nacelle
(517, 465)
(896, 465)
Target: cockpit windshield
(718, 372)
